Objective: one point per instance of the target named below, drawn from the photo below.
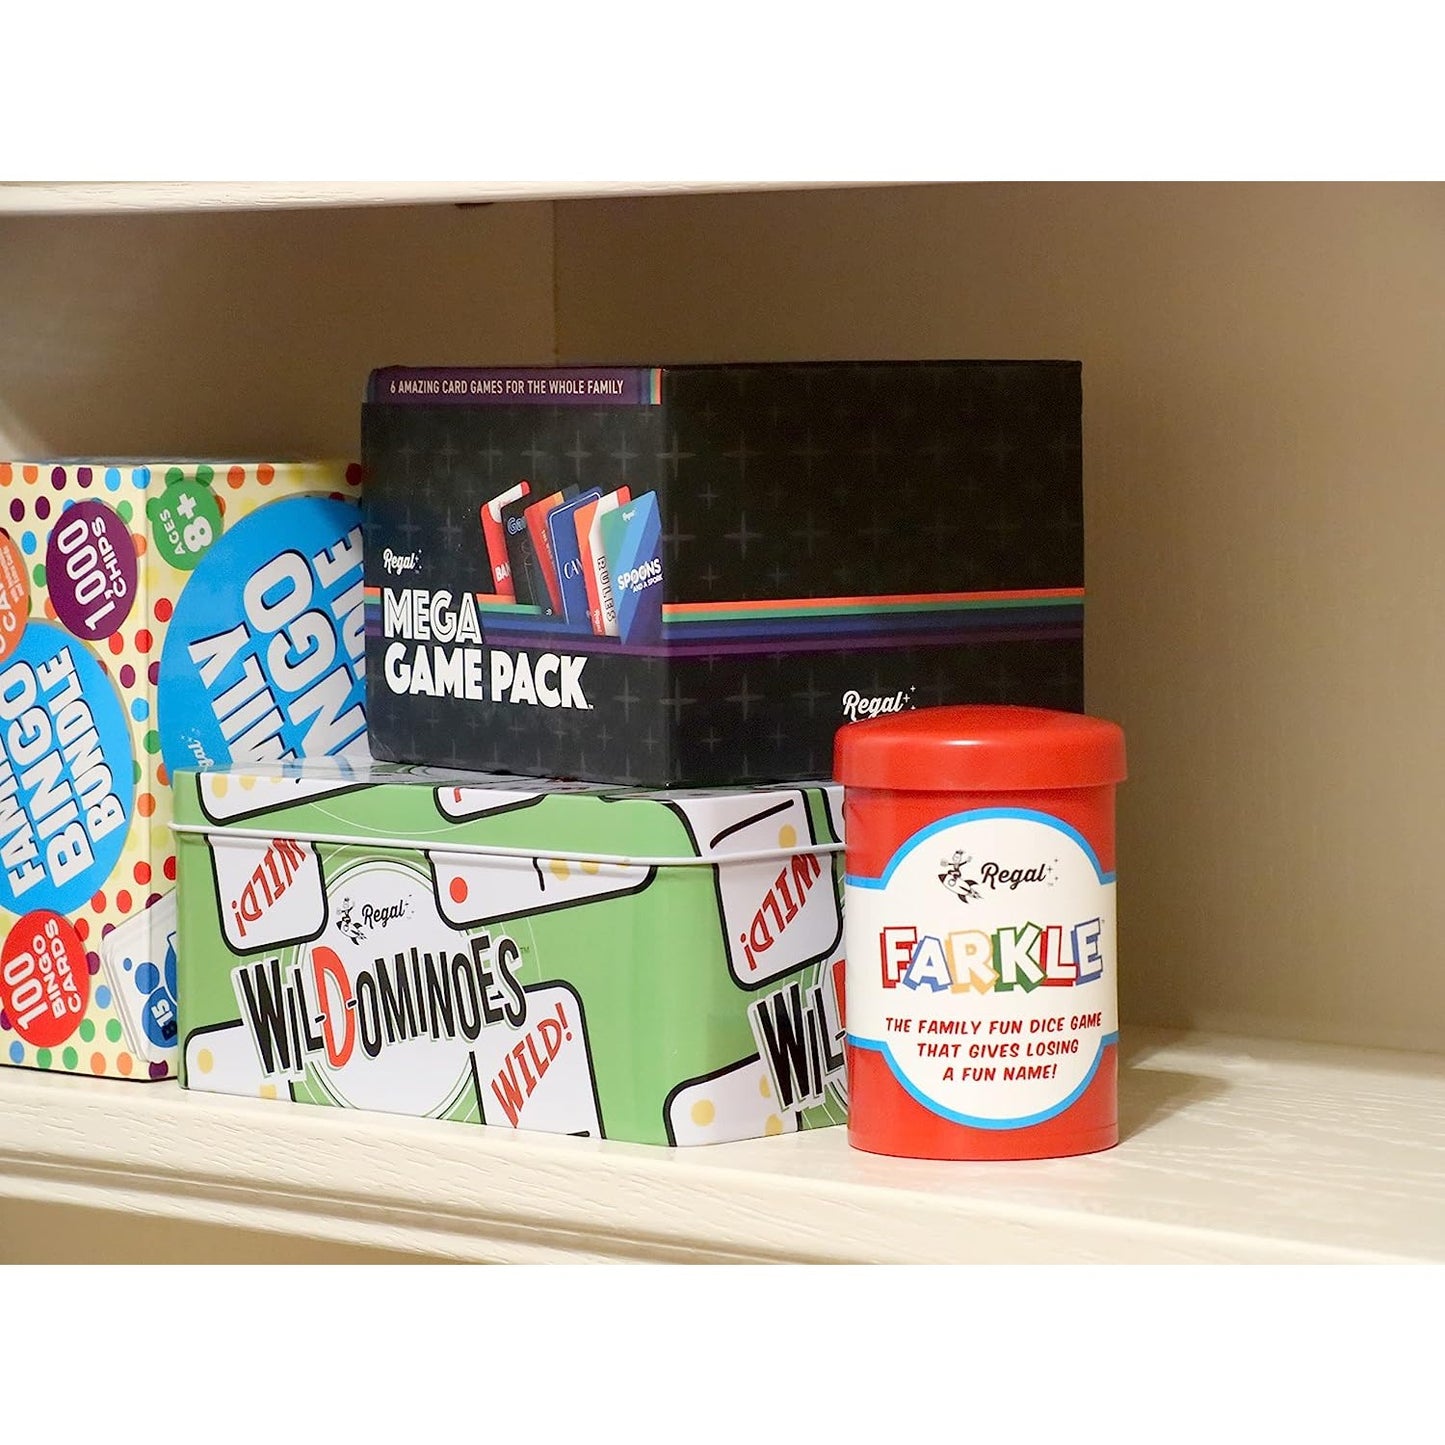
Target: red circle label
(44, 980)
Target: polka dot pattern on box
(127, 1027)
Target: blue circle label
(264, 657)
(67, 773)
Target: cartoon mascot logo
(954, 877)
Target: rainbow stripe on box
(805, 624)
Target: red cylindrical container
(981, 999)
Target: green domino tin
(663, 967)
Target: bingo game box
(152, 616)
(694, 575)
(660, 967)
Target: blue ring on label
(210, 617)
(857, 880)
(73, 801)
(878, 1046)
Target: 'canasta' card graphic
(536, 515)
(566, 553)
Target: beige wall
(1264, 447)
(251, 334)
(1264, 380)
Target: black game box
(693, 575)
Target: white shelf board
(1234, 1151)
(62, 197)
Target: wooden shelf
(1234, 1151)
(71, 197)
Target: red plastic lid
(979, 748)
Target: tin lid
(979, 748)
(358, 802)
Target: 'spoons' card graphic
(601, 605)
(550, 600)
(779, 913)
(540, 1076)
(223, 1059)
(738, 1102)
(139, 961)
(566, 553)
(225, 799)
(473, 889)
(632, 540)
(495, 539)
(269, 893)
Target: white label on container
(981, 966)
